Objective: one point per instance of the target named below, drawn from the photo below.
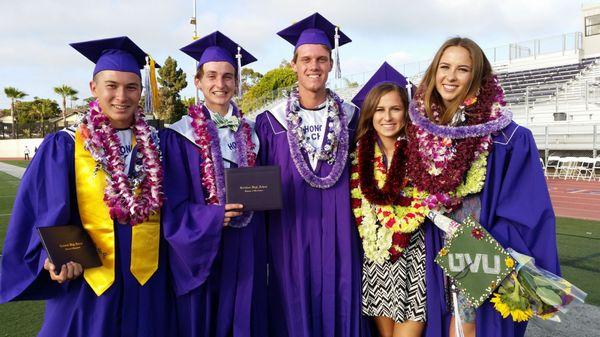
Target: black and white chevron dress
(397, 289)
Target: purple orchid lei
(418, 118)
(101, 140)
(212, 168)
(338, 141)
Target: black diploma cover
(69, 243)
(257, 188)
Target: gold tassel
(154, 85)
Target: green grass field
(18, 319)
(578, 244)
(22, 163)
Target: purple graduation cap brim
(385, 74)
(118, 53)
(216, 47)
(314, 29)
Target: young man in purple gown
(76, 179)
(217, 253)
(313, 246)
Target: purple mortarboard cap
(117, 53)
(314, 29)
(217, 47)
(385, 74)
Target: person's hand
(69, 271)
(232, 210)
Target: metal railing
(566, 137)
(564, 43)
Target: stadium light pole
(193, 21)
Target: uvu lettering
(458, 262)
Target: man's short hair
(295, 58)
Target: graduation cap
(216, 47)
(474, 260)
(385, 74)
(315, 29)
(117, 53)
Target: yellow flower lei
(475, 178)
(380, 222)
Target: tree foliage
(14, 94)
(249, 78)
(268, 88)
(65, 92)
(187, 101)
(37, 110)
(172, 81)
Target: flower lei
(385, 229)
(440, 157)
(394, 183)
(212, 168)
(335, 149)
(101, 140)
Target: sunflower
(509, 301)
(500, 306)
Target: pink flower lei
(101, 140)
(212, 169)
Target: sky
(35, 55)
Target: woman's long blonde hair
(481, 70)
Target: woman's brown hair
(369, 106)
(481, 70)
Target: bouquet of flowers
(531, 291)
(528, 290)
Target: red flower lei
(394, 183)
(455, 169)
(211, 167)
(101, 140)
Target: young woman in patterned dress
(393, 287)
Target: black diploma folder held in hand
(257, 188)
(69, 243)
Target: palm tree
(40, 109)
(14, 94)
(65, 91)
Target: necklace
(390, 193)
(212, 168)
(335, 149)
(126, 205)
(439, 156)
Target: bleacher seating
(540, 81)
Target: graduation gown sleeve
(192, 229)
(516, 206)
(516, 209)
(46, 197)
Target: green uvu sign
(475, 261)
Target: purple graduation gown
(313, 245)
(516, 210)
(219, 273)
(47, 197)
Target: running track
(570, 198)
(575, 199)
